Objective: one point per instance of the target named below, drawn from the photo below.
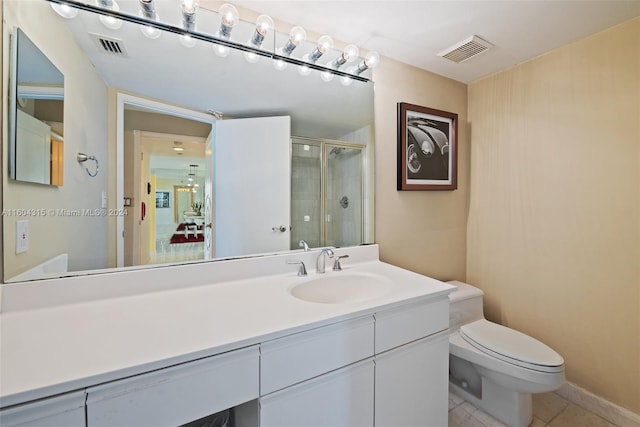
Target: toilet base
(506, 405)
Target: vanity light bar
(204, 37)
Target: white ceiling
(414, 32)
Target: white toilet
(493, 367)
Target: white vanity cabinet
(64, 410)
(281, 361)
(177, 395)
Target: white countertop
(46, 351)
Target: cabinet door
(340, 398)
(412, 382)
(65, 410)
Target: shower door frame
(324, 166)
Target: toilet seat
(511, 346)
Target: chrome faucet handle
(303, 244)
(302, 270)
(336, 263)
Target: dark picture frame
(427, 148)
(162, 199)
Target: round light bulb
(251, 57)
(303, 69)
(190, 6)
(350, 53)
(221, 50)
(187, 41)
(264, 23)
(150, 32)
(110, 22)
(326, 76)
(229, 14)
(325, 43)
(297, 35)
(64, 10)
(279, 64)
(372, 59)
(346, 81)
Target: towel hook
(83, 158)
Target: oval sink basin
(340, 288)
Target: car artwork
(427, 150)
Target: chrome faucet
(321, 260)
(303, 244)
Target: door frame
(122, 100)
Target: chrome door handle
(280, 228)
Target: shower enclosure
(327, 192)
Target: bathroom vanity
(251, 336)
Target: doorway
(157, 147)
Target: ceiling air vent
(109, 45)
(466, 49)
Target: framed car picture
(427, 148)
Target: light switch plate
(22, 236)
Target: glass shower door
(344, 195)
(306, 193)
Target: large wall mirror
(193, 150)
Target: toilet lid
(511, 346)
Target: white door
(252, 185)
(209, 246)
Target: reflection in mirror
(240, 124)
(37, 107)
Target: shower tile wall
(305, 195)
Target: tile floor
(549, 409)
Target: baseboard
(609, 411)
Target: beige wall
(554, 219)
(83, 238)
(423, 231)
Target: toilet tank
(465, 305)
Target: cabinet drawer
(343, 398)
(177, 395)
(66, 410)
(298, 357)
(410, 322)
